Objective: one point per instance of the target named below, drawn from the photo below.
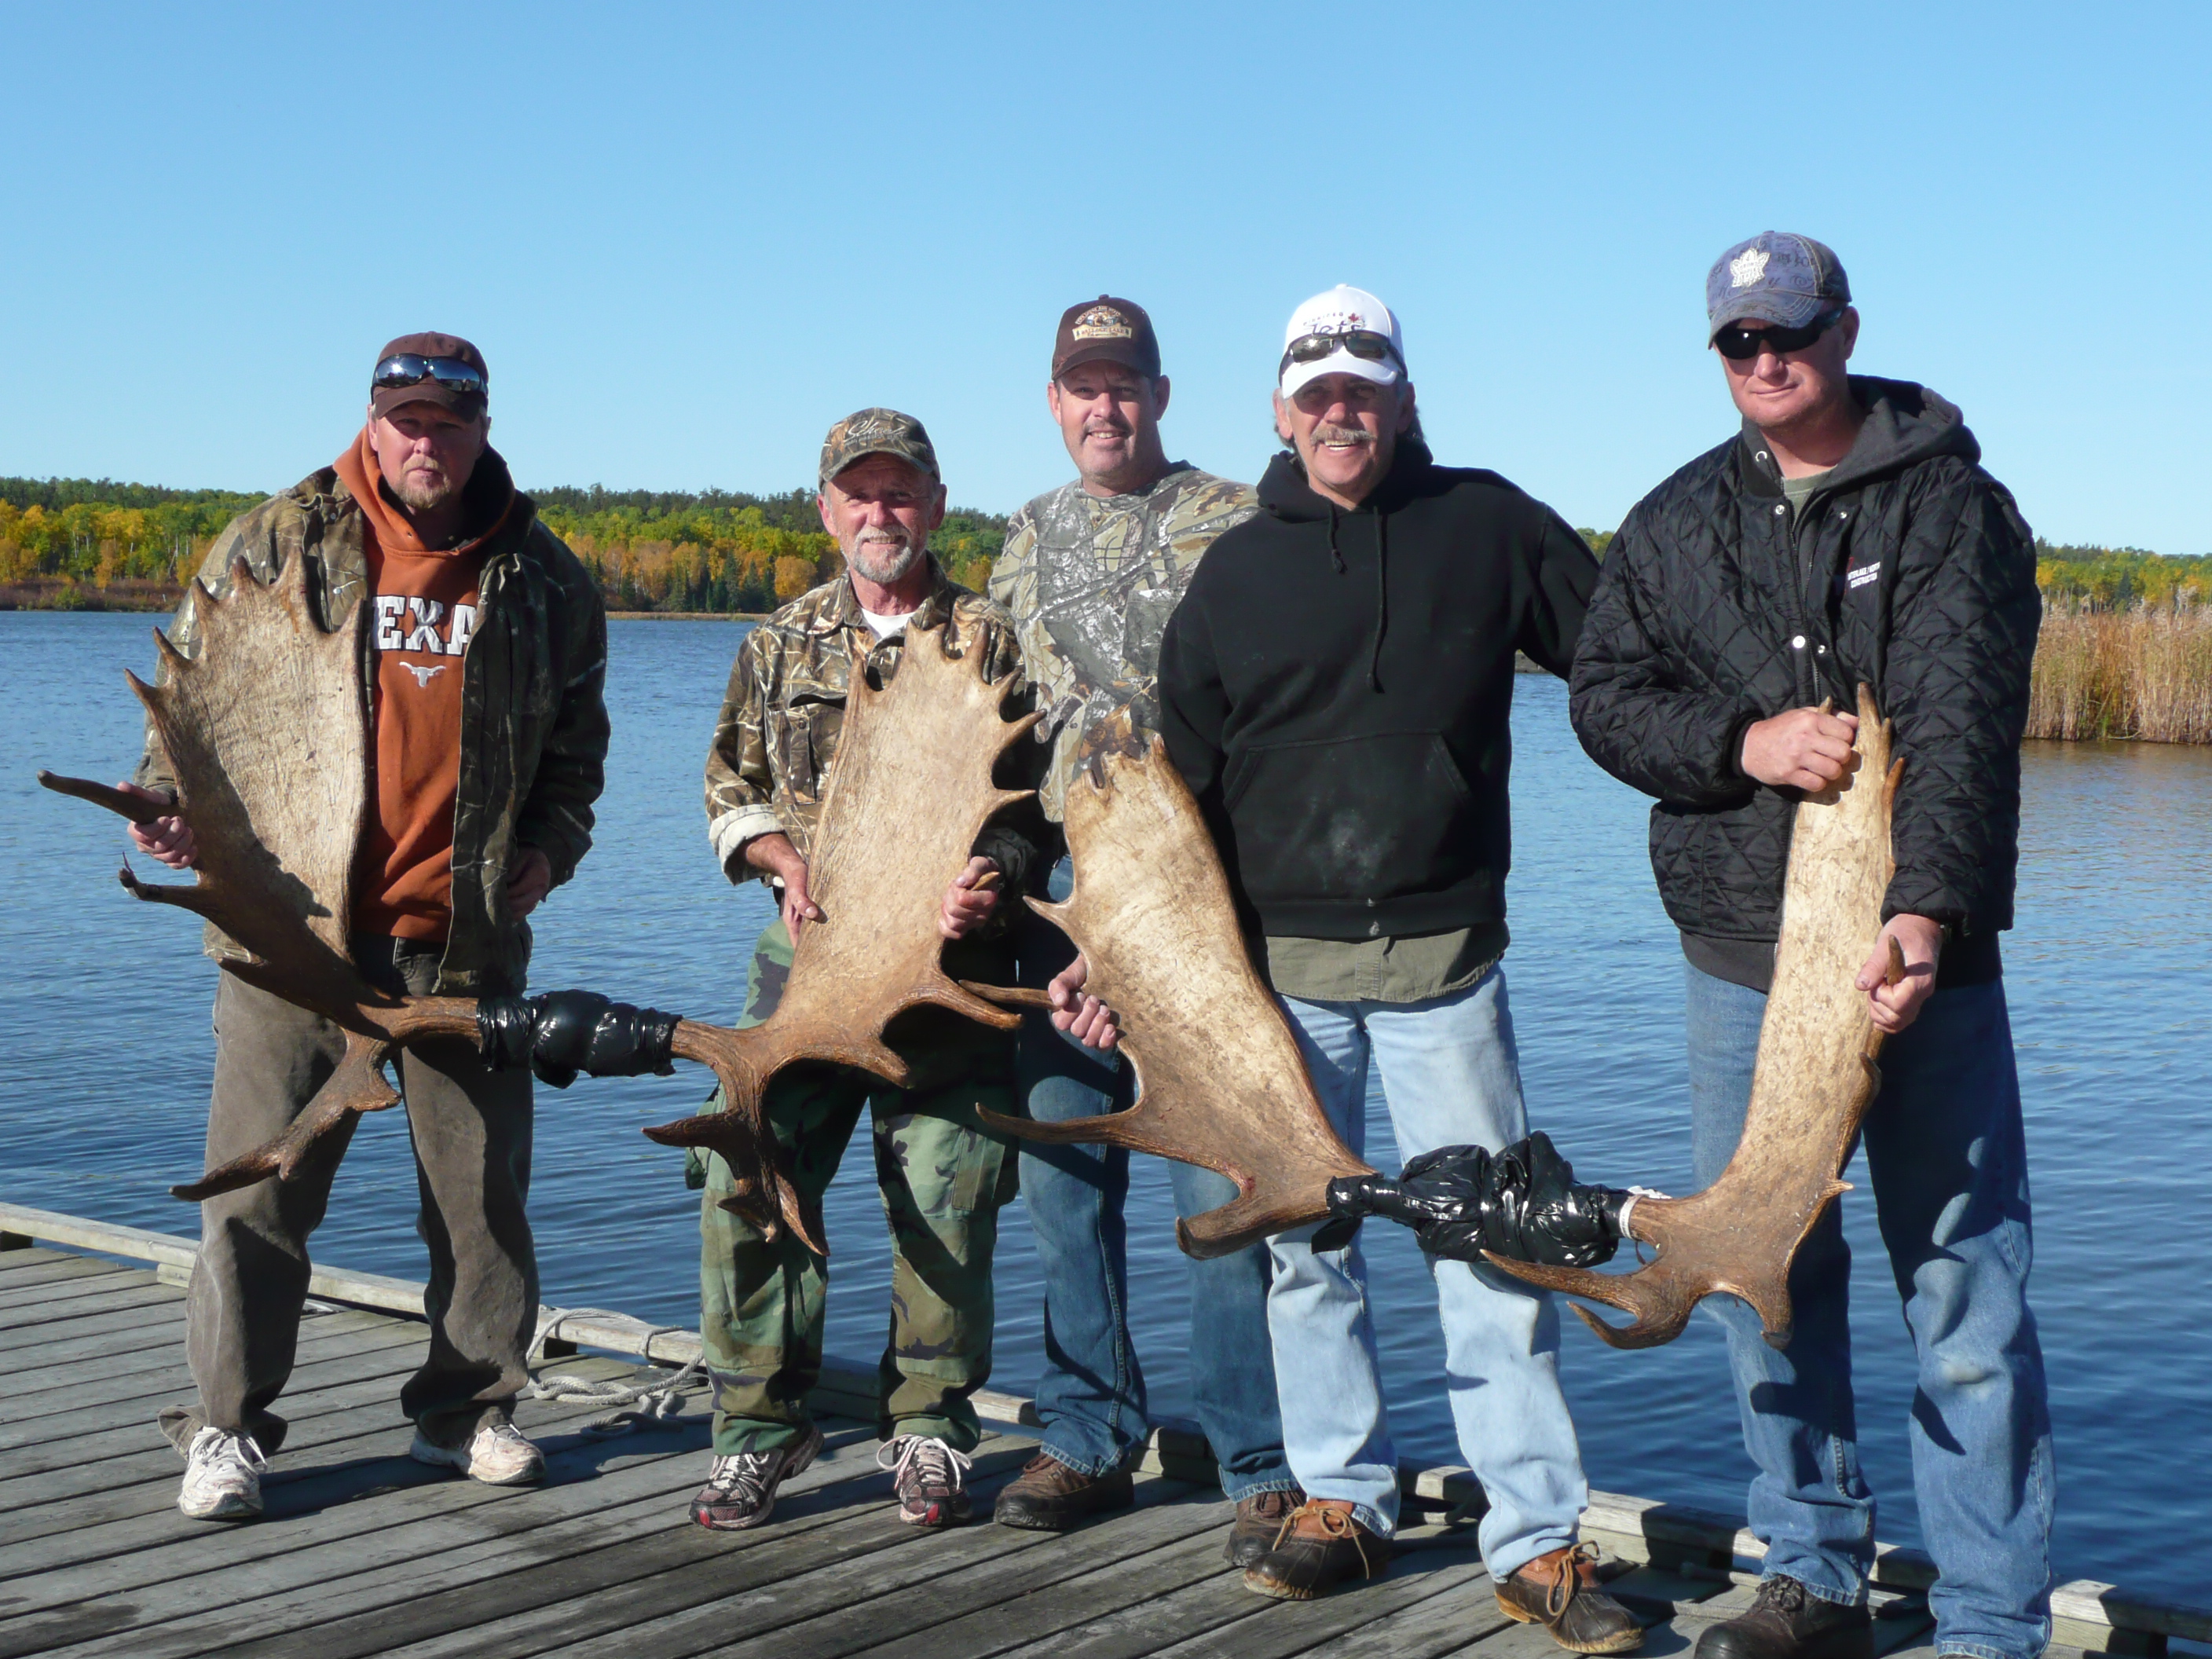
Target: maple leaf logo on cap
(1747, 267)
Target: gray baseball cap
(1775, 277)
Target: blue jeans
(1091, 1396)
(1948, 1161)
(1450, 1076)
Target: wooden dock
(363, 1552)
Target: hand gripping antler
(909, 793)
(1814, 1078)
(1221, 1081)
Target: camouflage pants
(943, 1179)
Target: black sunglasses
(1740, 344)
(411, 368)
(1359, 342)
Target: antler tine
(957, 998)
(357, 1085)
(136, 808)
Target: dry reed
(2144, 673)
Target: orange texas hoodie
(425, 601)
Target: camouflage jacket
(533, 717)
(1090, 581)
(777, 735)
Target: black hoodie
(1908, 569)
(1335, 687)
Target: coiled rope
(634, 1404)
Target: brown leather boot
(1559, 1590)
(1048, 1495)
(1785, 1622)
(1259, 1522)
(1319, 1546)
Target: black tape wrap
(558, 1034)
(1521, 1203)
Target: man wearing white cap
(1336, 688)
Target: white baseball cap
(1354, 319)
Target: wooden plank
(75, 1496)
(828, 1518)
(826, 1614)
(371, 1556)
(57, 1275)
(362, 1381)
(1054, 1598)
(45, 1317)
(116, 1336)
(53, 1227)
(69, 1407)
(308, 1500)
(16, 1252)
(158, 1356)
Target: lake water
(104, 1026)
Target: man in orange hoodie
(487, 665)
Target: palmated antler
(910, 792)
(1814, 1078)
(267, 733)
(1221, 1081)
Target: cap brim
(1128, 353)
(858, 455)
(1381, 370)
(384, 399)
(1781, 310)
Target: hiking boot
(1048, 1495)
(1260, 1520)
(1559, 1590)
(1786, 1621)
(1319, 1545)
(222, 1476)
(741, 1488)
(926, 1475)
(496, 1454)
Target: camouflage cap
(877, 432)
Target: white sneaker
(222, 1476)
(498, 1456)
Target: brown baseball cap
(1106, 330)
(877, 432)
(429, 368)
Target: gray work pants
(470, 1128)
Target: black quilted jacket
(1909, 569)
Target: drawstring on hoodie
(1381, 597)
(1382, 581)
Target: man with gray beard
(943, 1175)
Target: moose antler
(1221, 1081)
(910, 792)
(1814, 1079)
(267, 731)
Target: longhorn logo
(424, 676)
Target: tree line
(84, 544)
(95, 543)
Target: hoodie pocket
(1352, 820)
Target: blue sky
(688, 239)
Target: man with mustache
(1336, 689)
(1091, 573)
(942, 1177)
(490, 738)
(1848, 534)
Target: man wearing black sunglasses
(1848, 535)
(487, 656)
